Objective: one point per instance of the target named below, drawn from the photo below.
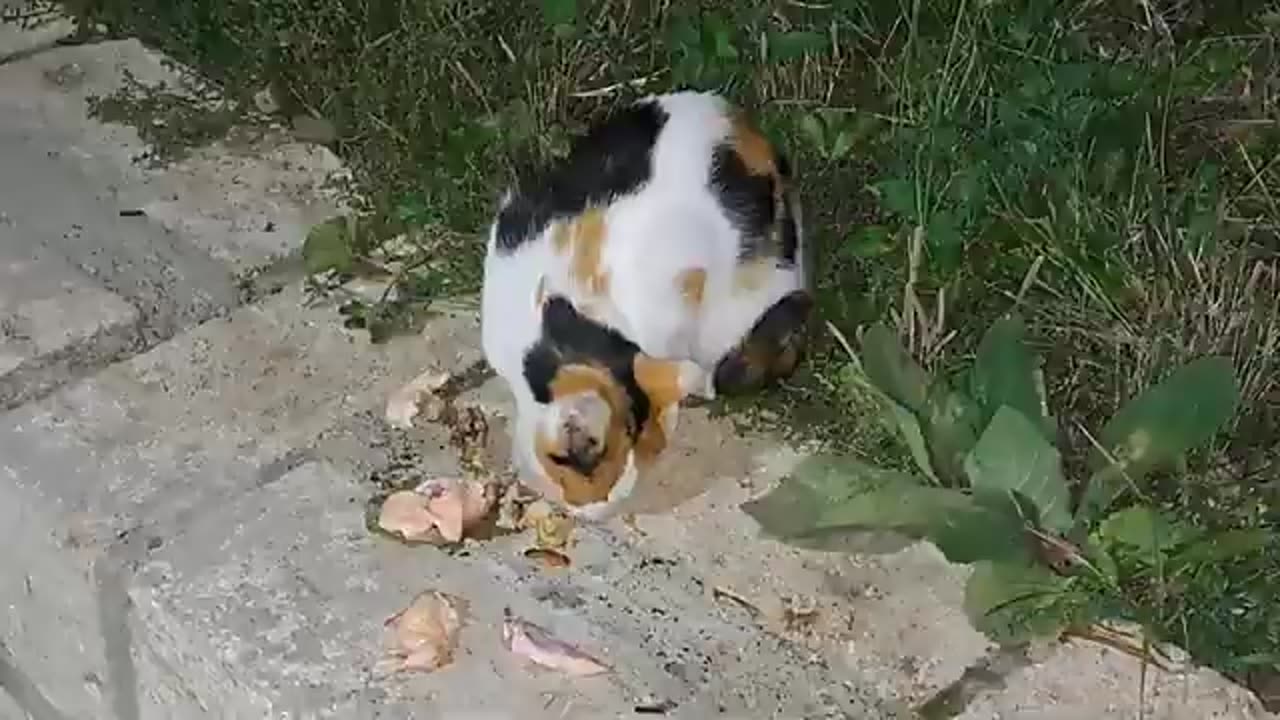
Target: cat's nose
(583, 451)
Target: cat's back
(667, 188)
(658, 145)
(558, 229)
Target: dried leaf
(513, 506)
(548, 556)
(552, 527)
(425, 634)
(403, 406)
(538, 645)
(724, 593)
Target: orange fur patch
(580, 489)
(752, 147)
(660, 381)
(692, 284)
(584, 238)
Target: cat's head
(605, 411)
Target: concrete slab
(29, 26)
(54, 320)
(9, 709)
(276, 605)
(247, 200)
(892, 622)
(1085, 680)
(173, 242)
(91, 476)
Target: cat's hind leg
(770, 351)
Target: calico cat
(662, 258)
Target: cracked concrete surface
(183, 480)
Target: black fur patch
(748, 199)
(789, 232)
(787, 227)
(569, 337)
(614, 158)
(770, 351)
(784, 164)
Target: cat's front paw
(696, 381)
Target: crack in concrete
(37, 378)
(24, 691)
(273, 471)
(117, 637)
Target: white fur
(672, 224)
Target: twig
(610, 89)
(1122, 642)
(475, 87)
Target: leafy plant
(990, 488)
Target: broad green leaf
(994, 528)
(811, 127)
(1004, 373)
(722, 42)
(963, 529)
(907, 423)
(1222, 546)
(912, 437)
(838, 504)
(1159, 426)
(790, 45)
(841, 145)
(1142, 528)
(892, 370)
(1012, 456)
(559, 12)
(1100, 559)
(868, 241)
(944, 239)
(328, 246)
(817, 483)
(950, 420)
(898, 196)
(1014, 603)
(791, 511)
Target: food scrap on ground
(632, 523)
(799, 614)
(425, 634)
(552, 527)
(655, 708)
(539, 646)
(721, 593)
(403, 406)
(553, 530)
(513, 506)
(437, 510)
(548, 556)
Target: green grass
(1108, 168)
